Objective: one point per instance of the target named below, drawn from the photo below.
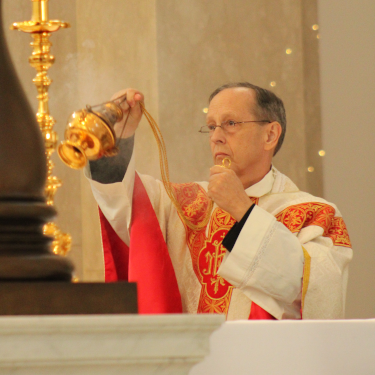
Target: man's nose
(218, 135)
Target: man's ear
(272, 135)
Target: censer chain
(164, 169)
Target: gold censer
(90, 134)
(40, 28)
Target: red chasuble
(147, 262)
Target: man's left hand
(227, 191)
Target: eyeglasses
(228, 126)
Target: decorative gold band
(306, 276)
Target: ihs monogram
(213, 263)
(209, 260)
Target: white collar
(262, 187)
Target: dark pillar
(24, 250)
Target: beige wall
(348, 111)
(203, 44)
(176, 52)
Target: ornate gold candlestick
(40, 28)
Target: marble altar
(104, 344)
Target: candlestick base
(59, 298)
(24, 250)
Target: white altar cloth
(340, 347)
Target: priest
(268, 250)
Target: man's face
(244, 147)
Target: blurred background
(318, 56)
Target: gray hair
(269, 106)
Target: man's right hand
(133, 98)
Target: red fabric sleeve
(146, 261)
(116, 253)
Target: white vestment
(281, 270)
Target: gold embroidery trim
(306, 276)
